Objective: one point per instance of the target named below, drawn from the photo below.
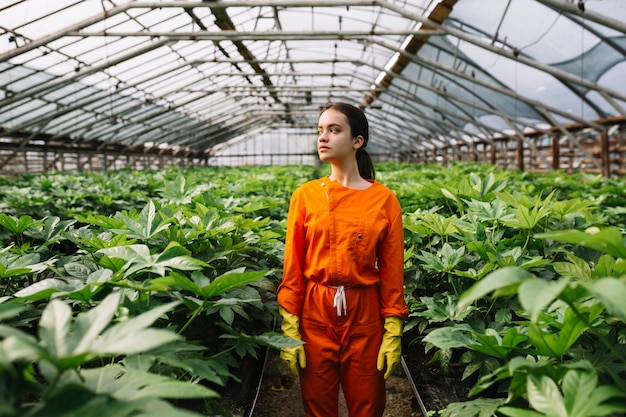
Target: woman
(342, 287)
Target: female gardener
(342, 291)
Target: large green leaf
(123, 384)
(134, 335)
(581, 397)
(536, 294)
(607, 240)
(78, 289)
(54, 328)
(139, 259)
(77, 400)
(50, 230)
(13, 265)
(505, 278)
(231, 279)
(480, 407)
(612, 294)
(450, 337)
(545, 397)
(557, 344)
(11, 309)
(149, 223)
(71, 343)
(17, 225)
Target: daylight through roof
(102, 84)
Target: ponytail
(365, 164)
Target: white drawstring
(340, 301)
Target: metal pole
(414, 388)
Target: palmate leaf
(81, 288)
(450, 336)
(69, 343)
(577, 268)
(608, 240)
(17, 225)
(139, 259)
(611, 292)
(45, 288)
(445, 260)
(442, 308)
(488, 211)
(149, 224)
(75, 400)
(54, 326)
(214, 288)
(537, 294)
(545, 397)
(230, 279)
(493, 344)
(438, 224)
(12, 265)
(11, 309)
(581, 397)
(178, 191)
(526, 218)
(480, 407)
(124, 384)
(50, 231)
(487, 184)
(508, 278)
(557, 344)
(84, 238)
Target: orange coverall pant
(342, 350)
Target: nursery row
(144, 291)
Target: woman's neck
(349, 178)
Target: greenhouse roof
(204, 75)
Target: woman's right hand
(293, 356)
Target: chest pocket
(363, 241)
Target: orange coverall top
(340, 236)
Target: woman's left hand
(391, 347)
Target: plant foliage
(141, 292)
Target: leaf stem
(193, 317)
(600, 336)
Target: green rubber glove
(391, 347)
(290, 327)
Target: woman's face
(335, 141)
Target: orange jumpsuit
(343, 273)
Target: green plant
(63, 369)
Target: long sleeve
(291, 289)
(391, 267)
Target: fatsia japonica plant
(524, 286)
(65, 366)
(202, 263)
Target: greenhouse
(150, 152)
(97, 85)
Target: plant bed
(240, 395)
(437, 388)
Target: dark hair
(358, 126)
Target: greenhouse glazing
(98, 85)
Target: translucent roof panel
(205, 76)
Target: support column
(556, 153)
(605, 154)
(520, 155)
